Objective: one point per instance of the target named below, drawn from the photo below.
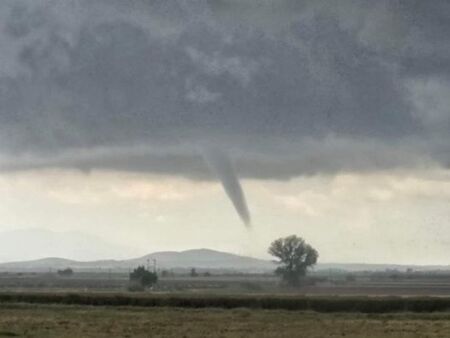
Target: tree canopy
(294, 257)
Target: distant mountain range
(81, 247)
(201, 259)
(27, 244)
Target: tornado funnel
(221, 165)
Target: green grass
(297, 303)
(33, 320)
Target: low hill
(203, 259)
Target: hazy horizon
(81, 247)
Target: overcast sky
(335, 114)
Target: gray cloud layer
(287, 87)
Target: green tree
(295, 256)
(142, 277)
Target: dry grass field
(95, 305)
(85, 321)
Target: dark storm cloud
(287, 87)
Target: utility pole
(154, 265)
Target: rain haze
(149, 126)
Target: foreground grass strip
(297, 303)
(64, 321)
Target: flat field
(370, 284)
(39, 320)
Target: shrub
(66, 272)
(142, 277)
